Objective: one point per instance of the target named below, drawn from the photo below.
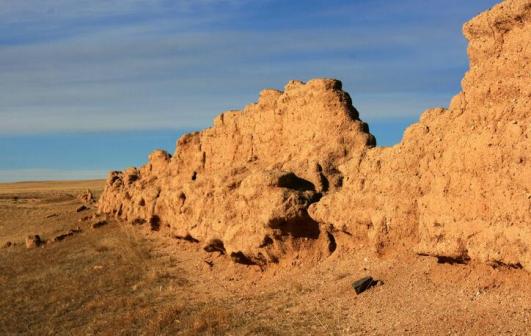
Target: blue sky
(88, 85)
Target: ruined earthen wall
(297, 171)
(458, 185)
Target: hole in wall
(154, 222)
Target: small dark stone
(240, 258)
(98, 224)
(60, 237)
(70, 233)
(215, 245)
(363, 284)
(81, 208)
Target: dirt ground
(120, 279)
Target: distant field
(37, 186)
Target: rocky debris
(361, 285)
(86, 197)
(90, 217)
(67, 234)
(98, 224)
(33, 241)
(215, 245)
(297, 171)
(452, 260)
(81, 208)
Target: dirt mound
(297, 172)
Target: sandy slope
(119, 280)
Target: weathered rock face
(298, 168)
(245, 184)
(459, 184)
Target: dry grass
(70, 286)
(196, 320)
(116, 280)
(98, 281)
(50, 186)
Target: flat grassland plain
(119, 279)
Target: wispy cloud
(28, 11)
(126, 64)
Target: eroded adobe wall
(297, 171)
(245, 183)
(458, 185)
